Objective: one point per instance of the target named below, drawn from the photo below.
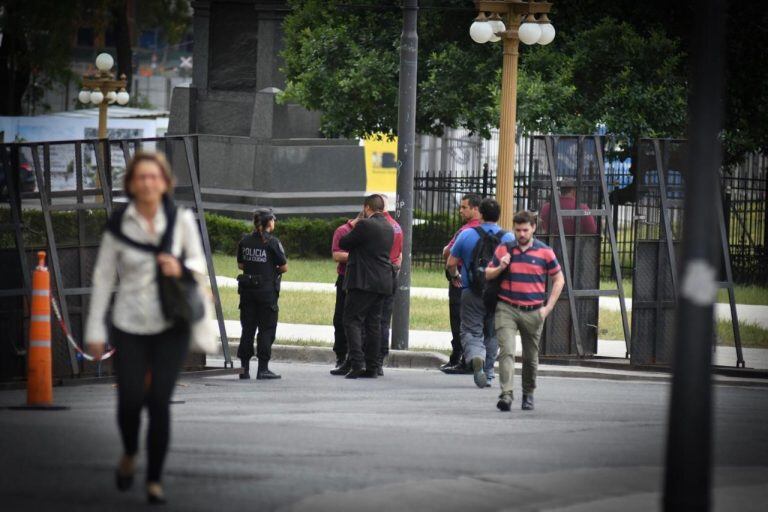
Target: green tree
(38, 38)
(36, 43)
(341, 58)
(620, 63)
(635, 86)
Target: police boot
(245, 364)
(263, 373)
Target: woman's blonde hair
(148, 156)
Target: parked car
(25, 173)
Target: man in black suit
(367, 282)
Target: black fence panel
(437, 195)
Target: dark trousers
(362, 312)
(454, 310)
(339, 337)
(162, 355)
(386, 322)
(257, 314)
(386, 325)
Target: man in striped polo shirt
(523, 267)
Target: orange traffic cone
(39, 368)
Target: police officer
(262, 259)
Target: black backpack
(482, 255)
(493, 287)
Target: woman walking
(150, 348)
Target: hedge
(301, 237)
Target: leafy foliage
(634, 87)
(341, 57)
(620, 64)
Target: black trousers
(386, 324)
(454, 310)
(362, 312)
(257, 313)
(162, 355)
(339, 336)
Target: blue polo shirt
(465, 246)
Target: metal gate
(573, 227)
(658, 223)
(76, 184)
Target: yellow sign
(381, 165)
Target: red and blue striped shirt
(525, 284)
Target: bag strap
(480, 231)
(166, 242)
(114, 226)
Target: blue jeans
(478, 335)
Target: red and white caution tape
(71, 340)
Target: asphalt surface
(413, 440)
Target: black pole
(689, 438)
(406, 139)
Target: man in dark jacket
(368, 281)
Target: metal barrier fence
(437, 195)
(72, 190)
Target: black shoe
(355, 373)
(380, 372)
(123, 482)
(340, 362)
(456, 369)
(342, 370)
(505, 403)
(373, 373)
(245, 375)
(527, 403)
(267, 375)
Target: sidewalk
(441, 340)
(747, 313)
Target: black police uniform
(259, 288)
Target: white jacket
(137, 307)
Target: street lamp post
(511, 21)
(105, 89)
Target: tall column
(406, 141)
(201, 23)
(505, 175)
(688, 476)
(103, 117)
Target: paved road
(414, 440)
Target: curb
(324, 355)
(433, 360)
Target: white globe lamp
(480, 31)
(97, 97)
(497, 26)
(529, 32)
(104, 62)
(123, 97)
(547, 34)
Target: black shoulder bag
(180, 298)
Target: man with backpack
(522, 267)
(475, 248)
